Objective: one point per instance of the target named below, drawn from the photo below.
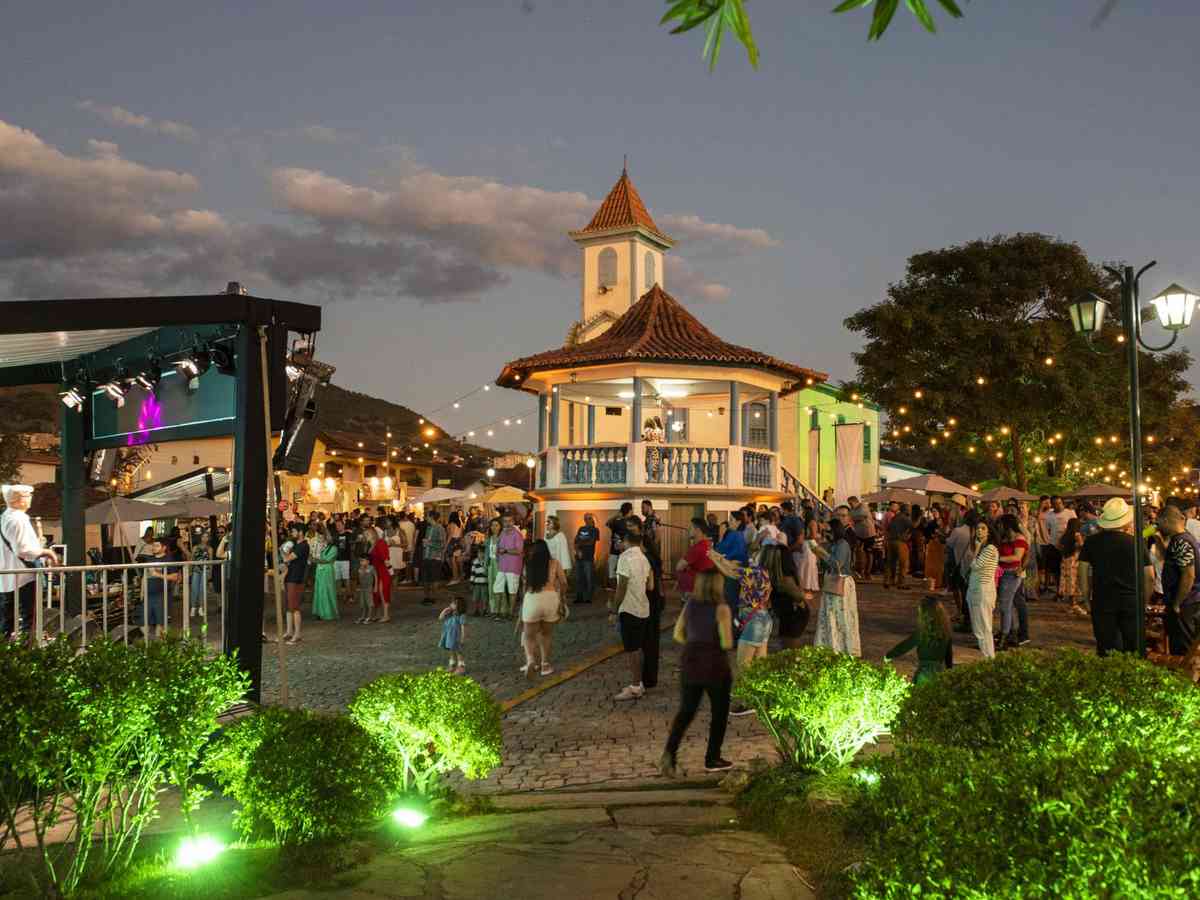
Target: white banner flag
(849, 461)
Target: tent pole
(273, 513)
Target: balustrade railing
(794, 487)
(673, 464)
(541, 467)
(756, 469)
(594, 465)
(122, 599)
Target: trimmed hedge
(431, 724)
(1061, 702)
(301, 778)
(951, 823)
(821, 706)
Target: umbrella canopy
(504, 494)
(1101, 490)
(441, 495)
(899, 495)
(933, 484)
(121, 509)
(1004, 493)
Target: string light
(980, 380)
(918, 394)
(999, 455)
(1099, 441)
(1120, 338)
(970, 449)
(988, 438)
(933, 442)
(1049, 360)
(1004, 429)
(903, 410)
(954, 421)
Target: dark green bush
(821, 706)
(99, 734)
(944, 822)
(1054, 702)
(431, 723)
(301, 778)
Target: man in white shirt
(1192, 524)
(20, 547)
(1054, 524)
(634, 579)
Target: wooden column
(542, 415)
(635, 425)
(773, 421)
(735, 413)
(591, 425)
(554, 417)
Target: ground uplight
(198, 850)
(410, 818)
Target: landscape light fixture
(410, 818)
(195, 364)
(149, 377)
(198, 850)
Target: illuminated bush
(948, 823)
(432, 724)
(301, 778)
(100, 733)
(1054, 702)
(821, 706)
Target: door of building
(675, 538)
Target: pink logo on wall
(149, 418)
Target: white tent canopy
(116, 510)
(440, 495)
(196, 508)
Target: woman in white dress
(837, 619)
(806, 560)
(396, 546)
(556, 541)
(981, 587)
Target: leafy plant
(949, 823)
(886, 9)
(716, 16)
(821, 706)
(431, 723)
(89, 740)
(1036, 702)
(301, 778)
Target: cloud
(118, 115)
(102, 223)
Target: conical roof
(655, 329)
(622, 208)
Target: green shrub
(431, 723)
(1054, 702)
(948, 823)
(99, 734)
(301, 778)
(821, 706)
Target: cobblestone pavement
(660, 845)
(335, 658)
(575, 734)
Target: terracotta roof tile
(655, 329)
(622, 208)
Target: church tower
(622, 257)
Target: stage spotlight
(117, 387)
(150, 376)
(73, 397)
(195, 364)
(222, 358)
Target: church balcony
(654, 465)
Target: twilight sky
(414, 166)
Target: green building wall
(831, 408)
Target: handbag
(834, 582)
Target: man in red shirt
(695, 560)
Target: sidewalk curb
(565, 675)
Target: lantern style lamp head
(530, 462)
(491, 473)
(1175, 306)
(1087, 314)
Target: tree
(12, 448)
(973, 353)
(718, 15)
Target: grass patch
(814, 817)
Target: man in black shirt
(345, 551)
(899, 530)
(616, 527)
(585, 559)
(1181, 593)
(293, 582)
(1107, 568)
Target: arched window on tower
(651, 277)
(607, 278)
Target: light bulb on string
(918, 394)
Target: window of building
(195, 460)
(651, 277)
(866, 442)
(756, 424)
(814, 420)
(607, 277)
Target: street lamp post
(1174, 306)
(530, 462)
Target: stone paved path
(661, 845)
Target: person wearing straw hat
(20, 548)
(1107, 568)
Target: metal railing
(794, 487)
(103, 600)
(674, 464)
(594, 465)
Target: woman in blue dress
(454, 633)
